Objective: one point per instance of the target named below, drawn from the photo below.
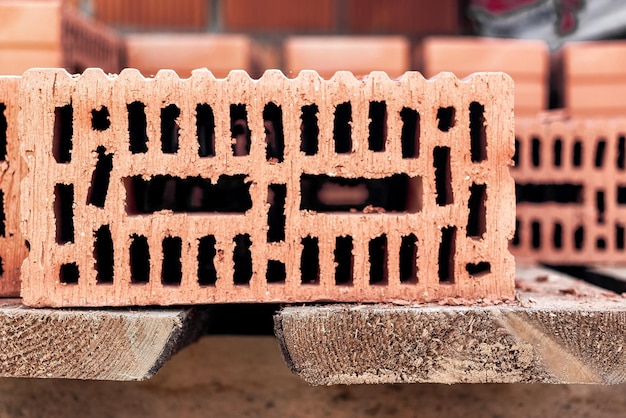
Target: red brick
(62, 226)
(12, 247)
(594, 80)
(279, 15)
(403, 17)
(183, 14)
(526, 61)
(358, 54)
(185, 52)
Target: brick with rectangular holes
(201, 190)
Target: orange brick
(526, 61)
(12, 246)
(594, 79)
(251, 225)
(187, 14)
(403, 16)
(279, 15)
(360, 55)
(186, 52)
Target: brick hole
(100, 119)
(445, 116)
(103, 254)
(139, 259)
(64, 212)
(63, 133)
(579, 238)
(443, 176)
(68, 273)
(621, 195)
(170, 129)
(323, 193)
(310, 261)
(410, 136)
(172, 269)
(601, 244)
(408, 259)
(378, 126)
(558, 152)
(2, 216)
(231, 194)
(239, 131)
(517, 152)
(342, 130)
(478, 132)
(3, 132)
(543, 193)
(600, 206)
(137, 126)
(478, 269)
(242, 257)
(621, 152)
(344, 261)
(515, 242)
(100, 178)
(577, 154)
(477, 219)
(274, 136)
(446, 254)
(619, 236)
(378, 260)
(535, 235)
(600, 151)
(309, 130)
(1, 267)
(276, 195)
(207, 274)
(276, 272)
(205, 130)
(536, 151)
(557, 237)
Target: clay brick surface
(571, 181)
(594, 78)
(279, 15)
(104, 228)
(526, 61)
(185, 52)
(12, 247)
(182, 14)
(357, 54)
(404, 16)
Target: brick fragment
(206, 190)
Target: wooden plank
(91, 344)
(559, 330)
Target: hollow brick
(12, 245)
(449, 141)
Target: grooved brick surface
(12, 247)
(178, 191)
(571, 189)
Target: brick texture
(571, 189)
(279, 15)
(205, 190)
(404, 16)
(180, 14)
(594, 80)
(185, 52)
(526, 61)
(359, 55)
(12, 246)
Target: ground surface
(246, 377)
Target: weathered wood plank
(560, 330)
(91, 344)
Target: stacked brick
(200, 190)
(181, 14)
(571, 189)
(12, 245)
